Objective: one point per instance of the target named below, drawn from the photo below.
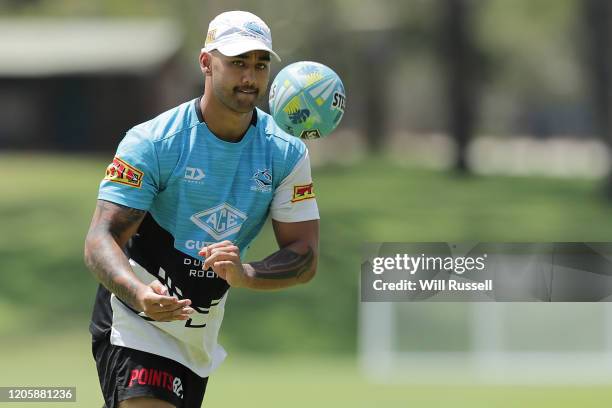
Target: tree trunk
(375, 87)
(597, 19)
(459, 65)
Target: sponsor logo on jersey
(221, 221)
(262, 181)
(198, 273)
(122, 172)
(194, 174)
(193, 244)
(303, 192)
(156, 378)
(177, 387)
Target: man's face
(240, 82)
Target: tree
(459, 62)
(596, 22)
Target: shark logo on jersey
(263, 181)
(220, 221)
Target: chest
(215, 195)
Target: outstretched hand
(155, 303)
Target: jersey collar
(201, 117)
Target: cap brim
(241, 47)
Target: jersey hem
(305, 217)
(117, 199)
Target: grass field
(278, 382)
(46, 293)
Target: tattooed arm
(295, 262)
(111, 228)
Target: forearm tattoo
(283, 264)
(112, 227)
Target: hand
(224, 259)
(156, 304)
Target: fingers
(170, 301)
(222, 269)
(159, 306)
(221, 256)
(180, 311)
(208, 250)
(158, 287)
(224, 250)
(224, 259)
(163, 299)
(178, 314)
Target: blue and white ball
(307, 100)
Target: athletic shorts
(126, 373)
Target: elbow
(309, 273)
(87, 253)
(311, 266)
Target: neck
(222, 122)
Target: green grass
(286, 339)
(47, 202)
(278, 382)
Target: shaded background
(466, 120)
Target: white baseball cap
(236, 32)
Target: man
(182, 200)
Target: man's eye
(238, 63)
(261, 66)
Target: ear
(205, 63)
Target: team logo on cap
(255, 29)
(210, 37)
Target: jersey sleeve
(132, 178)
(294, 199)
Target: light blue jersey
(197, 190)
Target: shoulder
(287, 151)
(283, 144)
(168, 125)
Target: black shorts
(127, 373)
